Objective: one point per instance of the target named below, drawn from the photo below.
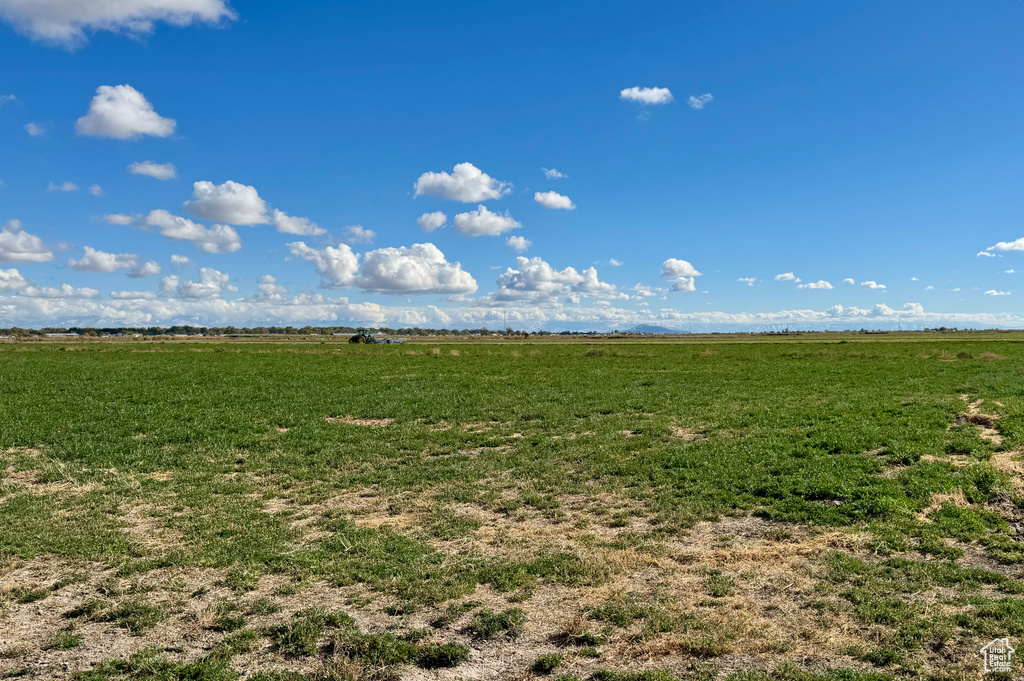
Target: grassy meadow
(801, 510)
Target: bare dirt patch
(686, 434)
(353, 421)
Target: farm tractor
(364, 336)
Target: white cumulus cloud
(357, 234)
(35, 130)
(68, 22)
(554, 174)
(482, 222)
(554, 201)
(100, 261)
(787, 276)
(180, 260)
(11, 280)
(17, 245)
(466, 183)
(749, 281)
(96, 190)
(216, 239)
(63, 291)
(337, 266)
(820, 284)
(122, 112)
(849, 280)
(160, 171)
(62, 187)
(287, 224)
(1017, 245)
(647, 95)
(211, 283)
(421, 268)
(871, 285)
(232, 203)
(534, 279)
(682, 273)
(997, 293)
(428, 222)
(518, 243)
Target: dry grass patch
(353, 421)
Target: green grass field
(798, 510)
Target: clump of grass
(65, 639)
(488, 624)
(90, 608)
(719, 585)
(622, 612)
(442, 656)
(262, 607)
(301, 637)
(136, 616)
(242, 579)
(224, 617)
(24, 594)
(545, 664)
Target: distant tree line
(179, 330)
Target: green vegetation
(418, 477)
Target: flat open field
(621, 511)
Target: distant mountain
(649, 328)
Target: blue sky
(839, 142)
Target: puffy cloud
(287, 224)
(11, 280)
(700, 101)
(849, 280)
(428, 222)
(997, 293)
(482, 222)
(62, 187)
(216, 239)
(357, 234)
(118, 219)
(1017, 245)
(647, 95)
(684, 285)
(787, 276)
(67, 22)
(161, 171)
(929, 288)
(467, 183)
(146, 269)
(96, 190)
(553, 174)
(535, 279)
(749, 281)
(614, 262)
(337, 266)
(17, 245)
(101, 261)
(122, 112)
(64, 291)
(1010, 271)
(673, 267)
(232, 203)
(1009, 246)
(269, 289)
(554, 201)
(518, 243)
(180, 260)
(871, 285)
(35, 130)
(682, 272)
(421, 268)
(210, 284)
(820, 284)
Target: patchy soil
(353, 421)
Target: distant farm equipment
(364, 336)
